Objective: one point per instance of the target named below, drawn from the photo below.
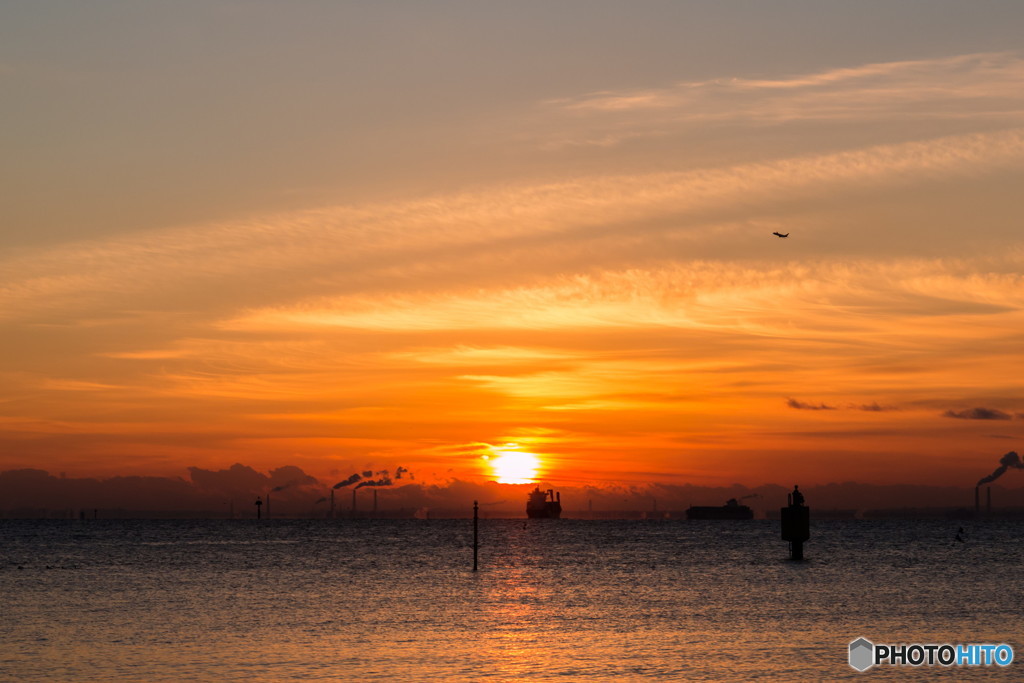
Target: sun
(512, 466)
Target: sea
(551, 600)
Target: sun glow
(512, 466)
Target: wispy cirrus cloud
(463, 355)
(982, 87)
(828, 298)
(499, 231)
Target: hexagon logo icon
(862, 654)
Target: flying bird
(779, 234)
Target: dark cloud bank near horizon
(978, 413)
(217, 493)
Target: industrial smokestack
(977, 501)
(988, 501)
(332, 503)
(353, 501)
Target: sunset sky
(346, 236)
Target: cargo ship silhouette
(731, 510)
(544, 504)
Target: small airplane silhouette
(779, 234)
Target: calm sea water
(553, 600)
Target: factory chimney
(988, 501)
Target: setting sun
(514, 467)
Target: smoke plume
(351, 480)
(1011, 459)
(383, 481)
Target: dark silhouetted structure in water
(731, 510)
(476, 532)
(796, 524)
(544, 504)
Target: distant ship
(544, 504)
(731, 510)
